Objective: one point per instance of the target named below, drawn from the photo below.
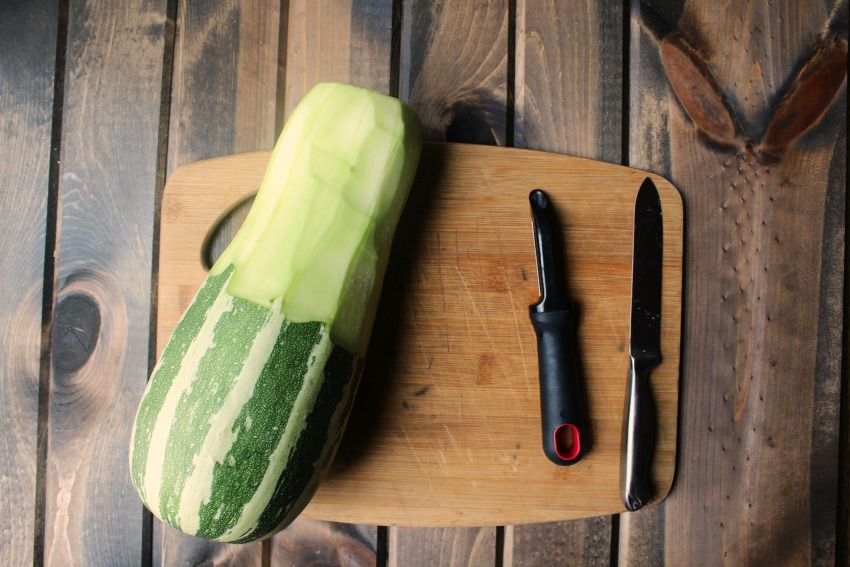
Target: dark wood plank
(757, 480)
(454, 68)
(103, 262)
(314, 41)
(316, 542)
(347, 41)
(580, 542)
(172, 547)
(27, 54)
(223, 101)
(224, 82)
(452, 547)
(569, 85)
(569, 79)
(454, 65)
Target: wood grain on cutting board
(446, 427)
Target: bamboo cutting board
(446, 427)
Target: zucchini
(247, 404)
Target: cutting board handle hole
(222, 231)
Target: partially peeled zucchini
(248, 402)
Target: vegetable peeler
(553, 319)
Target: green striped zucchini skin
(240, 419)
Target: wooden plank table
(742, 106)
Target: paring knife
(553, 320)
(644, 348)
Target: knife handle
(638, 435)
(561, 404)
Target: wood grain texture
(452, 547)
(346, 41)
(317, 542)
(454, 68)
(765, 250)
(765, 197)
(106, 198)
(223, 92)
(577, 542)
(569, 78)
(445, 417)
(27, 56)
(569, 84)
(223, 100)
(172, 547)
(454, 65)
(319, 41)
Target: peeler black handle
(560, 394)
(553, 319)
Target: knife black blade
(644, 348)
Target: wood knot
(474, 120)
(76, 328)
